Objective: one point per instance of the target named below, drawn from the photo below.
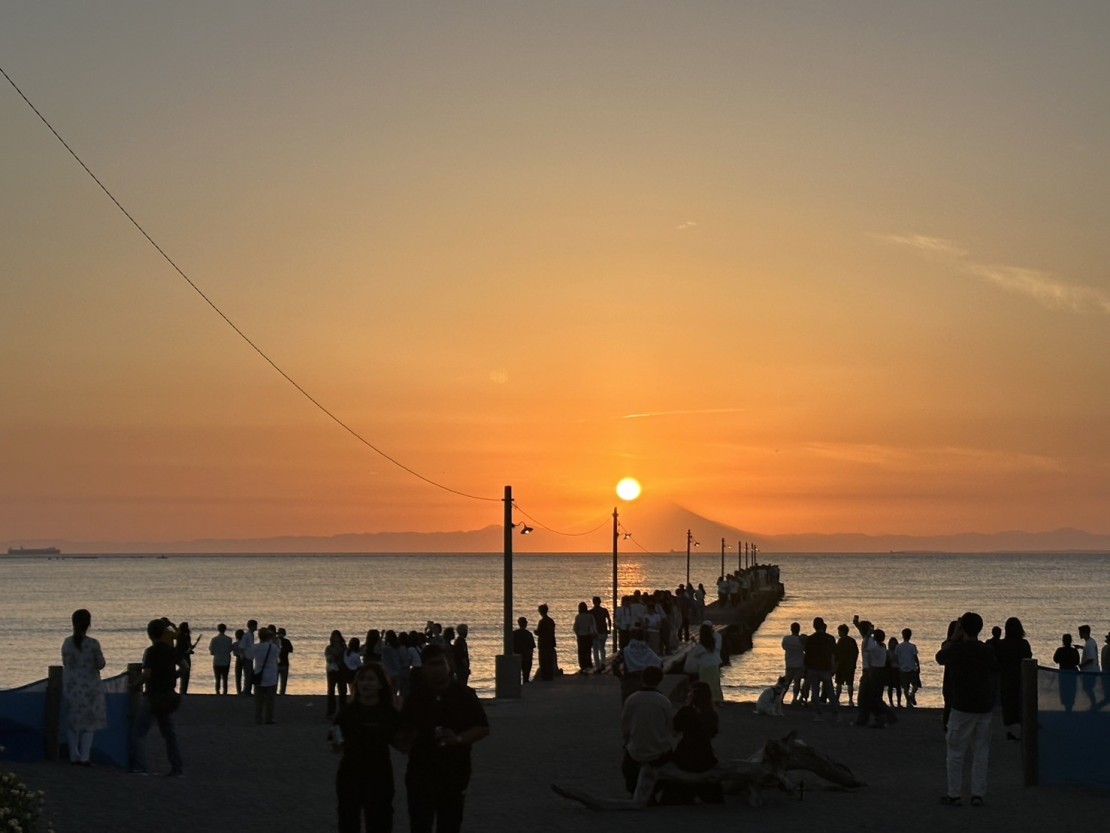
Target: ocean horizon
(310, 594)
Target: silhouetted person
(545, 639)
(971, 667)
(1011, 650)
(524, 646)
(1088, 662)
(460, 654)
(1067, 658)
(793, 648)
(447, 718)
(86, 709)
(159, 700)
(646, 727)
(847, 656)
(220, 647)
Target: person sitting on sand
(646, 727)
(696, 723)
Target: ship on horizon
(34, 551)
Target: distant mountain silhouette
(657, 527)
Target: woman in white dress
(82, 660)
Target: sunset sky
(797, 267)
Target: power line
(542, 525)
(227, 320)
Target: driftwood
(744, 776)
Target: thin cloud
(685, 225)
(941, 458)
(650, 414)
(925, 245)
(1043, 288)
(1047, 290)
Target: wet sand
(268, 779)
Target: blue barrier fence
(1073, 716)
(24, 723)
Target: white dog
(770, 701)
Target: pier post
(506, 666)
(616, 599)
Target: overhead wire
(542, 525)
(262, 353)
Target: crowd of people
(408, 690)
(401, 653)
(978, 675)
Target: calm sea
(309, 595)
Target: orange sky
(798, 267)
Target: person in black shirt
(159, 700)
(524, 645)
(847, 657)
(363, 731)
(545, 638)
(460, 654)
(1067, 657)
(820, 651)
(446, 718)
(283, 660)
(971, 667)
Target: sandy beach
(261, 779)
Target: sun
(628, 489)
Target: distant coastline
(656, 533)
